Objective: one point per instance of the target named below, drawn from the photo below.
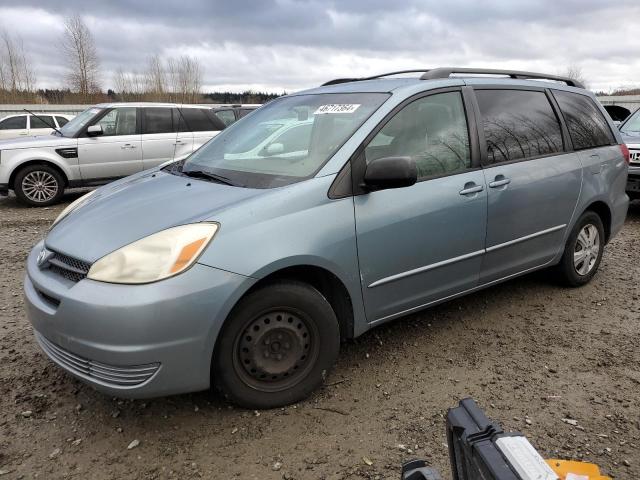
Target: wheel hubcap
(39, 186)
(587, 249)
(275, 349)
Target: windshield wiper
(208, 176)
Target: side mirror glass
(94, 130)
(274, 149)
(390, 172)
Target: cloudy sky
(278, 45)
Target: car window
(42, 121)
(518, 124)
(632, 125)
(78, 123)
(119, 121)
(238, 153)
(432, 130)
(14, 123)
(197, 120)
(158, 120)
(244, 112)
(62, 121)
(587, 126)
(227, 116)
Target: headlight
(155, 257)
(72, 206)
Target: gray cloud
(289, 44)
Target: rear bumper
(132, 341)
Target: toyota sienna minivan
(245, 272)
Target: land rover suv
(245, 265)
(101, 144)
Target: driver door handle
(127, 145)
(471, 188)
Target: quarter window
(518, 124)
(158, 120)
(119, 121)
(432, 130)
(197, 120)
(587, 127)
(14, 123)
(62, 121)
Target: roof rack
(446, 72)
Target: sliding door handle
(500, 181)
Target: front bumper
(134, 341)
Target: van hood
(41, 141)
(137, 206)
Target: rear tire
(38, 185)
(583, 251)
(276, 347)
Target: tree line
(164, 79)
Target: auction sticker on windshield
(337, 108)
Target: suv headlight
(156, 257)
(72, 206)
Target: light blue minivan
(357, 203)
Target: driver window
(432, 130)
(119, 121)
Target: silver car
(101, 144)
(246, 271)
(28, 125)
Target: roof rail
(361, 79)
(446, 72)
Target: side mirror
(94, 130)
(391, 172)
(274, 149)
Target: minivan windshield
(76, 124)
(286, 141)
(632, 125)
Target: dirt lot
(531, 353)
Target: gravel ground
(531, 353)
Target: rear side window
(244, 112)
(14, 123)
(197, 120)
(586, 124)
(158, 120)
(518, 124)
(62, 121)
(42, 121)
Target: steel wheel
(587, 249)
(275, 350)
(40, 186)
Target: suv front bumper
(133, 341)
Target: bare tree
(156, 78)
(129, 85)
(574, 72)
(17, 79)
(79, 47)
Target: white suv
(103, 143)
(27, 125)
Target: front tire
(38, 185)
(583, 251)
(276, 347)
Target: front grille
(68, 267)
(117, 376)
(634, 156)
